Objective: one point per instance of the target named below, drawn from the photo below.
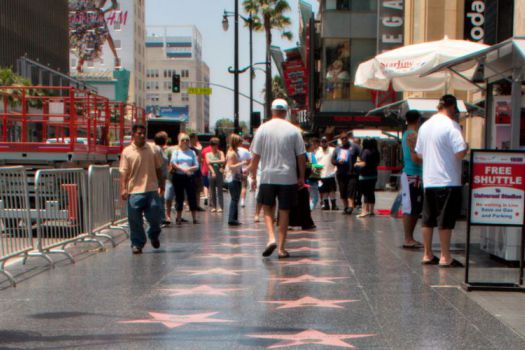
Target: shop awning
(497, 61)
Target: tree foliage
(10, 79)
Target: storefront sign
(474, 20)
(497, 188)
(391, 25)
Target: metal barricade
(62, 210)
(120, 207)
(101, 205)
(15, 219)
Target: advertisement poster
(90, 27)
(502, 114)
(497, 188)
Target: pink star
(246, 230)
(307, 249)
(293, 240)
(227, 256)
(307, 262)
(242, 236)
(301, 232)
(307, 278)
(174, 321)
(310, 336)
(309, 302)
(200, 290)
(216, 271)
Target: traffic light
(175, 83)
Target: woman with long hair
(215, 159)
(234, 178)
(183, 164)
(368, 162)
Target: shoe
(348, 210)
(363, 215)
(155, 243)
(183, 220)
(325, 208)
(433, 261)
(136, 250)
(256, 219)
(206, 201)
(283, 255)
(219, 210)
(453, 263)
(242, 204)
(214, 210)
(234, 223)
(179, 222)
(416, 245)
(308, 228)
(269, 249)
(200, 209)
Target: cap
(449, 101)
(324, 138)
(279, 105)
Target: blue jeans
(314, 193)
(144, 204)
(235, 194)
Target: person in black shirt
(344, 158)
(368, 162)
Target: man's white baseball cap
(279, 105)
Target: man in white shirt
(441, 146)
(279, 149)
(328, 185)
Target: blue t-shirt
(184, 159)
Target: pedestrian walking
(367, 163)
(246, 157)
(205, 173)
(183, 165)
(441, 146)
(198, 182)
(344, 158)
(327, 184)
(313, 175)
(233, 178)
(161, 141)
(358, 203)
(278, 148)
(141, 182)
(215, 160)
(411, 181)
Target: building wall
(167, 54)
(127, 29)
(36, 28)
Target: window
(156, 85)
(156, 73)
(351, 5)
(73, 62)
(185, 97)
(165, 74)
(337, 76)
(118, 44)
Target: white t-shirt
(438, 141)
(244, 155)
(278, 142)
(325, 159)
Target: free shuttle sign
(497, 188)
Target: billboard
(176, 114)
(474, 28)
(91, 27)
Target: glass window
(118, 44)
(337, 75)
(351, 5)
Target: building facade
(36, 29)
(107, 39)
(174, 50)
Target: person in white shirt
(279, 149)
(244, 156)
(441, 146)
(327, 186)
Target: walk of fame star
(174, 321)
(200, 290)
(247, 229)
(309, 302)
(239, 245)
(292, 240)
(307, 249)
(242, 236)
(306, 279)
(309, 337)
(226, 256)
(215, 271)
(301, 262)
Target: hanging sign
(497, 188)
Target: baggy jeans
(216, 193)
(144, 204)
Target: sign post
(496, 198)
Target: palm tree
(268, 15)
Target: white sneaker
(242, 203)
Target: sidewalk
(347, 285)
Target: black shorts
(285, 194)
(328, 185)
(441, 207)
(347, 186)
(412, 192)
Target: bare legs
(444, 239)
(268, 221)
(284, 219)
(409, 225)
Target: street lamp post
(235, 71)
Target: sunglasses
(185, 140)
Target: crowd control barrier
(62, 213)
(120, 207)
(101, 203)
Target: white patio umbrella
(404, 66)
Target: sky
(217, 46)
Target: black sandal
(269, 249)
(284, 255)
(453, 263)
(433, 261)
